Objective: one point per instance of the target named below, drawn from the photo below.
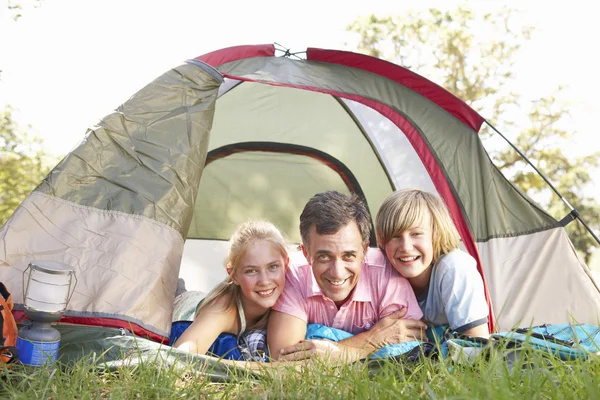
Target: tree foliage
(16, 7)
(22, 164)
(473, 57)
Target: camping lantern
(47, 289)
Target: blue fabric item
(566, 341)
(394, 350)
(437, 334)
(226, 346)
(317, 331)
(177, 328)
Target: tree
(16, 6)
(22, 164)
(462, 53)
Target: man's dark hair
(330, 211)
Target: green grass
(533, 376)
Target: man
(344, 285)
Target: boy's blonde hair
(245, 235)
(405, 209)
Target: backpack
(8, 327)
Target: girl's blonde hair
(245, 236)
(405, 209)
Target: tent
(155, 188)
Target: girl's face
(411, 252)
(261, 275)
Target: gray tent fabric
(117, 208)
(146, 158)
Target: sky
(68, 63)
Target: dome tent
(241, 133)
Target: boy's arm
(481, 331)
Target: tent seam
(111, 212)
(517, 234)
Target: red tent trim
(105, 322)
(435, 93)
(235, 53)
(403, 76)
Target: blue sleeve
(462, 292)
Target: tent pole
(573, 212)
(287, 53)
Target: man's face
(336, 260)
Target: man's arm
(283, 330)
(392, 329)
(389, 330)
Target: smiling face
(336, 260)
(260, 276)
(411, 251)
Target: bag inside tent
(143, 207)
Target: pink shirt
(380, 291)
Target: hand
(306, 349)
(395, 329)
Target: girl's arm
(207, 326)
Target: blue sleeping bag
(226, 345)
(566, 341)
(317, 331)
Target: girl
(239, 307)
(415, 230)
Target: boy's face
(411, 252)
